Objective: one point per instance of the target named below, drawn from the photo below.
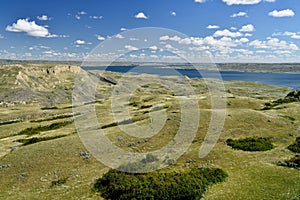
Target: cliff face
(37, 83)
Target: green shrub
(36, 130)
(52, 118)
(155, 185)
(251, 144)
(36, 140)
(49, 108)
(296, 146)
(10, 122)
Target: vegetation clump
(36, 140)
(293, 96)
(49, 108)
(36, 130)
(251, 144)
(53, 118)
(296, 146)
(157, 185)
(59, 182)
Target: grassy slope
(252, 175)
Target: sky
(230, 30)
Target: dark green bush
(52, 118)
(36, 130)
(296, 146)
(155, 185)
(251, 144)
(36, 140)
(49, 108)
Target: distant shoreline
(239, 67)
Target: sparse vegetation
(49, 108)
(36, 130)
(36, 139)
(296, 146)
(157, 185)
(59, 181)
(53, 118)
(10, 122)
(251, 144)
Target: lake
(291, 80)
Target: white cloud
(173, 13)
(241, 2)
(153, 48)
(247, 28)
(168, 46)
(79, 42)
(119, 36)
(82, 13)
(248, 35)
(131, 48)
(123, 29)
(30, 28)
(282, 13)
(200, 1)
(270, 1)
(141, 15)
(96, 17)
(287, 33)
(174, 38)
(213, 27)
(243, 40)
(99, 37)
(239, 14)
(274, 44)
(79, 14)
(43, 18)
(185, 41)
(226, 33)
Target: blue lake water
(281, 79)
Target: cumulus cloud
(79, 42)
(287, 33)
(241, 2)
(239, 14)
(200, 1)
(173, 13)
(227, 33)
(30, 28)
(153, 48)
(282, 13)
(119, 36)
(123, 29)
(99, 37)
(131, 48)
(243, 40)
(171, 38)
(274, 44)
(213, 27)
(43, 18)
(141, 15)
(247, 28)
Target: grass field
(55, 168)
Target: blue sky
(231, 30)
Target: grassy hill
(58, 165)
